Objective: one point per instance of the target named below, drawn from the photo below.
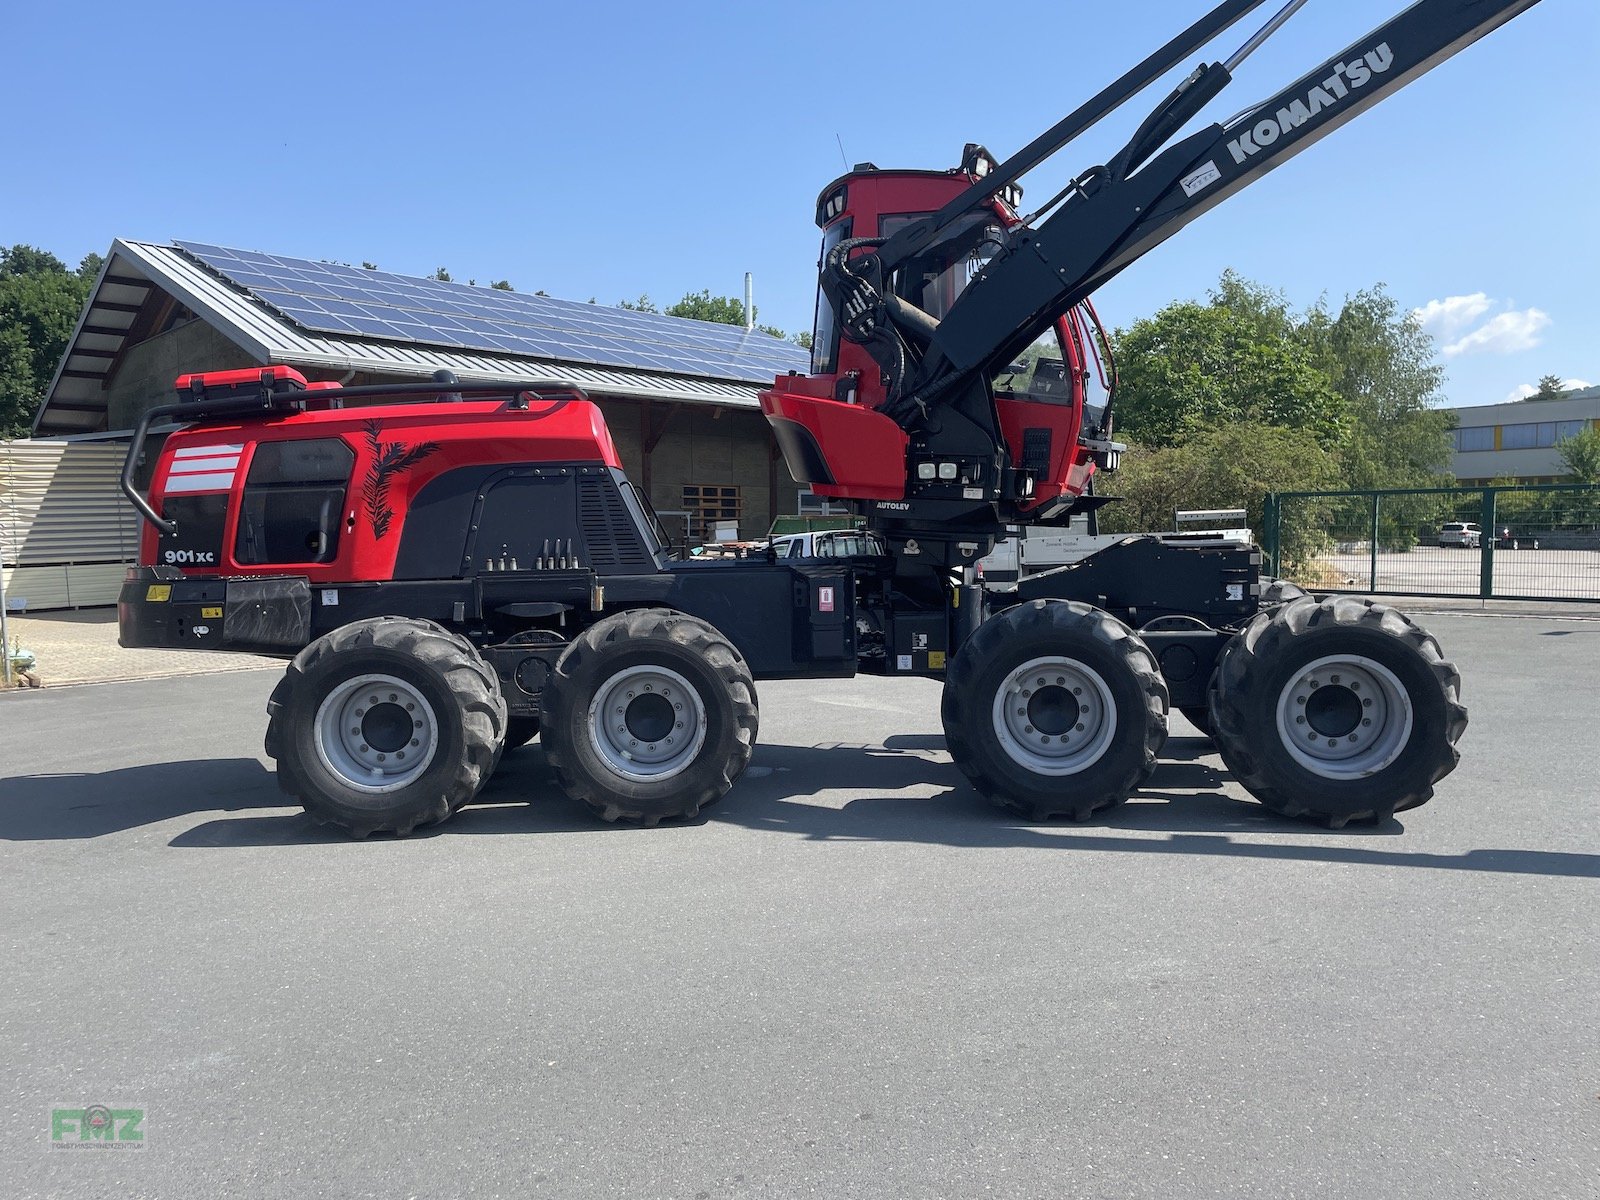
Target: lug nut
(1079, 728)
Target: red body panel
(213, 458)
(864, 451)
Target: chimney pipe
(749, 302)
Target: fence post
(1269, 532)
(1372, 583)
(1486, 517)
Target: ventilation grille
(607, 527)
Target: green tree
(1231, 466)
(643, 304)
(442, 276)
(502, 285)
(40, 300)
(1550, 388)
(1381, 364)
(1581, 454)
(703, 306)
(1194, 367)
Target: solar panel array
(351, 302)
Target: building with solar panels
(680, 395)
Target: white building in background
(1518, 440)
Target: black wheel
(520, 731)
(1337, 711)
(1055, 708)
(1280, 591)
(385, 724)
(649, 715)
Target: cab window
(294, 502)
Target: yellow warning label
(158, 593)
(935, 660)
(211, 614)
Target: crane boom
(1125, 210)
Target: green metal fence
(1538, 542)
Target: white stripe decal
(219, 482)
(192, 466)
(209, 451)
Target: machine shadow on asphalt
(1183, 798)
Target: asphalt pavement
(853, 978)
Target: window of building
(1475, 437)
(707, 504)
(1566, 429)
(1520, 437)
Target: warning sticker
(902, 662)
(935, 660)
(211, 614)
(158, 593)
(824, 599)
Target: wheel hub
(650, 717)
(376, 733)
(1344, 717)
(387, 727)
(647, 723)
(1054, 716)
(1333, 711)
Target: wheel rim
(1344, 717)
(1054, 716)
(376, 733)
(647, 723)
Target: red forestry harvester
(450, 579)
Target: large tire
(648, 715)
(356, 702)
(1280, 591)
(1377, 702)
(1100, 682)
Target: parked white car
(1460, 533)
(829, 543)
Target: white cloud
(1448, 317)
(1575, 385)
(1505, 333)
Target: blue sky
(614, 149)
